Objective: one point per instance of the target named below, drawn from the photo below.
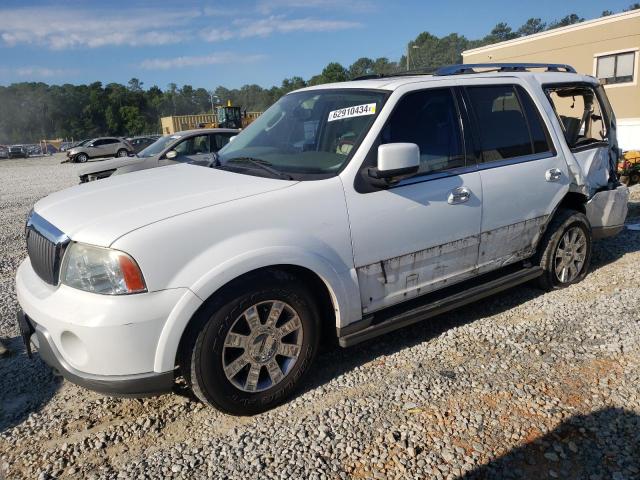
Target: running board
(390, 319)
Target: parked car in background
(140, 143)
(18, 151)
(4, 152)
(347, 209)
(100, 147)
(182, 147)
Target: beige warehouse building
(607, 48)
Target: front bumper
(147, 384)
(103, 338)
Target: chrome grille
(45, 245)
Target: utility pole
(409, 47)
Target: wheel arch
(326, 288)
(571, 201)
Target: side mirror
(232, 138)
(396, 161)
(171, 154)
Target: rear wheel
(565, 250)
(122, 153)
(82, 158)
(254, 344)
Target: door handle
(552, 175)
(459, 195)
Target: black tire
(562, 222)
(201, 360)
(81, 158)
(122, 153)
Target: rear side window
(428, 118)
(507, 122)
(538, 131)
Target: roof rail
(401, 73)
(502, 67)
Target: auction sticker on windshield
(350, 112)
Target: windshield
(158, 146)
(306, 133)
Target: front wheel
(565, 250)
(255, 344)
(82, 158)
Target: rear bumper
(607, 211)
(142, 385)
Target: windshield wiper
(263, 164)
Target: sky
(232, 43)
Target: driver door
(422, 233)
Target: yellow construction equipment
(224, 117)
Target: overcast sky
(232, 43)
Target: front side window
(501, 123)
(616, 68)
(193, 145)
(305, 134)
(428, 118)
(580, 115)
(158, 146)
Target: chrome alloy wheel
(262, 346)
(570, 255)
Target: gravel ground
(522, 385)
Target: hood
(111, 164)
(100, 212)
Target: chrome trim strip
(46, 229)
(472, 168)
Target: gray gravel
(522, 385)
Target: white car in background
(346, 210)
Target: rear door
(523, 175)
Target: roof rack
(502, 67)
(402, 73)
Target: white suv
(346, 210)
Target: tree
(135, 85)
(606, 13)
(531, 26)
(500, 33)
(334, 72)
(570, 19)
(362, 66)
(633, 6)
(133, 120)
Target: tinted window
(536, 127)
(97, 143)
(193, 145)
(219, 140)
(500, 121)
(429, 119)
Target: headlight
(101, 270)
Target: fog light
(73, 348)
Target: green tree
(133, 121)
(362, 66)
(531, 26)
(570, 19)
(500, 33)
(334, 72)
